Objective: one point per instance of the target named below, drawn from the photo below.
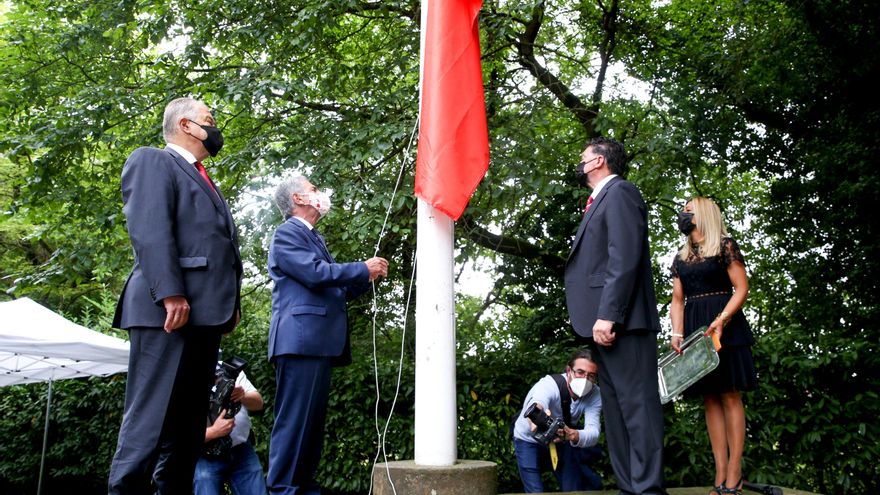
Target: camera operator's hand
(222, 427)
(570, 434)
(561, 435)
(532, 425)
(237, 394)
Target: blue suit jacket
(185, 244)
(309, 296)
(608, 273)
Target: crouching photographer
(546, 436)
(229, 455)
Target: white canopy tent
(39, 345)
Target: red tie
(589, 202)
(204, 174)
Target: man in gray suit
(181, 296)
(610, 296)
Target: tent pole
(45, 439)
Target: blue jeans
(573, 472)
(242, 470)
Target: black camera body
(547, 427)
(221, 398)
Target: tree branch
(349, 113)
(510, 245)
(525, 46)
(361, 8)
(609, 42)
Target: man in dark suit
(610, 296)
(181, 296)
(308, 334)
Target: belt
(707, 294)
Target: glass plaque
(676, 372)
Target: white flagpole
(436, 419)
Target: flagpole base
(465, 477)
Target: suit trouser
(302, 391)
(163, 428)
(632, 412)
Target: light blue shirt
(546, 393)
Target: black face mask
(581, 172)
(214, 142)
(686, 223)
(580, 176)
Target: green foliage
(84, 420)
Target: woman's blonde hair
(707, 215)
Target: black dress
(707, 288)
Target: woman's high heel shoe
(735, 490)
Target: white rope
(396, 186)
(381, 435)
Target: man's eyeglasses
(593, 377)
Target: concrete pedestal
(463, 478)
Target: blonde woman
(709, 287)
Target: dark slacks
(303, 388)
(163, 427)
(631, 408)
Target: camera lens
(538, 416)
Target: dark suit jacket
(309, 297)
(608, 273)
(185, 244)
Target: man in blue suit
(181, 296)
(308, 334)
(610, 295)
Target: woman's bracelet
(677, 334)
(724, 316)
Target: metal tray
(676, 372)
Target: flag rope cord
(381, 435)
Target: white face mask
(321, 201)
(581, 386)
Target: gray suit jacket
(608, 273)
(185, 244)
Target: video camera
(221, 398)
(547, 427)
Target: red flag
(453, 153)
